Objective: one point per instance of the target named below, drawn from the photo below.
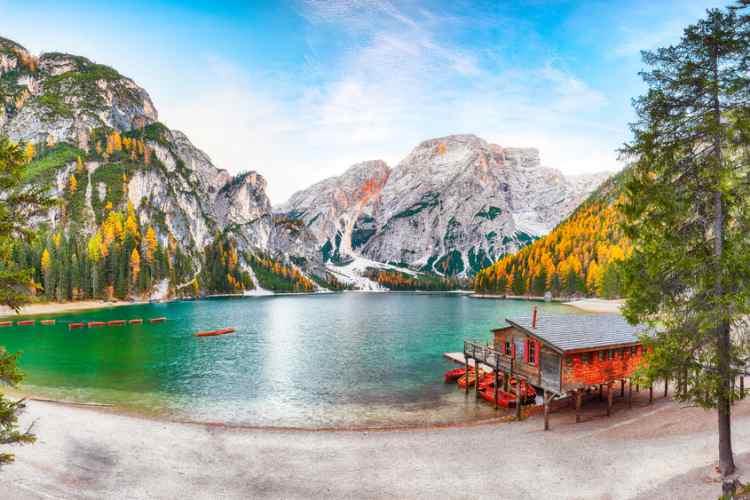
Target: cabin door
(550, 368)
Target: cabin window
(532, 352)
(519, 348)
(508, 350)
(602, 355)
(586, 357)
(609, 354)
(569, 360)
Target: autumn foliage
(581, 256)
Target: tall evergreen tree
(16, 207)
(688, 212)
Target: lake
(314, 361)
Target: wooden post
(650, 393)
(579, 397)
(497, 379)
(476, 379)
(609, 399)
(666, 386)
(518, 399)
(637, 387)
(466, 373)
(630, 393)
(622, 388)
(546, 409)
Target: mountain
(581, 256)
(143, 212)
(93, 136)
(453, 206)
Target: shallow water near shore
(313, 361)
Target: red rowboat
(157, 320)
(472, 378)
(73, 326)
(212, 333)
(96, 323)
(6, 323)
(26, 322)
(135, 321)
(116, 322)
(453, 375)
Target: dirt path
(658, 451)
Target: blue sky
(301, 90)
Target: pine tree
(688, 209)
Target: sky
(301, 90)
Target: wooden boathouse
(564, 355)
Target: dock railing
(483, 353)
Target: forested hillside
(581, 256)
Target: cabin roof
(569, 332)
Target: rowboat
(96, 323)
(73, 326)
(157, 320)
(116, 322)
(26, 322)
(135, 321)
(472, 378)
(211, 333)
(453, 375)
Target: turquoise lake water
(328, 360)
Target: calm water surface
(350, 359)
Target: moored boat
(96, 323)
(6, 323)
(212, 333)
(453, 375)
(469, 378)
(26, 322)
(116, 322)
(47, 322)
(73, 326)
(135, 321)
(157, 320)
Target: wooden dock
(458, 357)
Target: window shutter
(537, 352)
(526, 351)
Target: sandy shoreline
(63, 307)
(87, 453)
(598, 305)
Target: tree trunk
(726, 458)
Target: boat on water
(96, 323)
(470, 378)
(212, 333)
(504, 398)
(135, 322)
(27, 322)
(157, 320)
(73, 326)
(6, 323)
(455, 374)
(116, 322)
(47, 322)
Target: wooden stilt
(630, 394)
(497, 380)
(466, 373)
(650, 393)
(546, 397)
(518, 399)
(622, 388)
(579, 397)
(666, 386)
(609, 399)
